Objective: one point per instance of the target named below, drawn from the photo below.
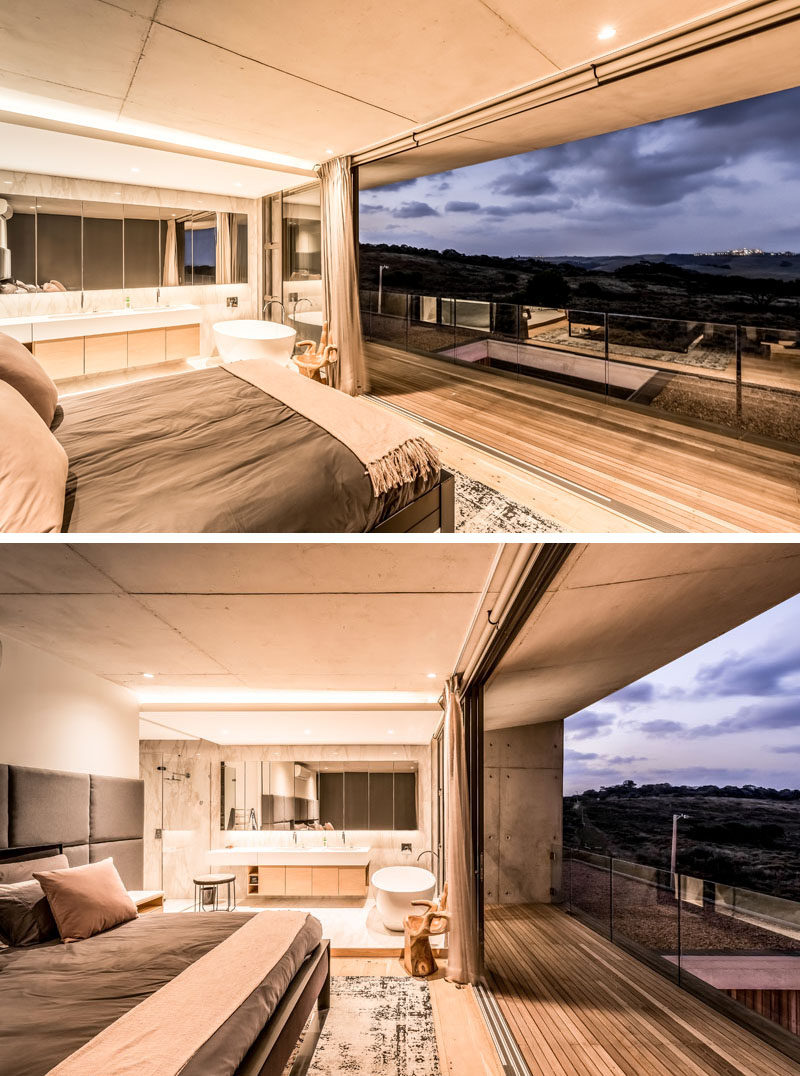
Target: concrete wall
(188, 809)
(523, 777)
(58, 717)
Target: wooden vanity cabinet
(309, 881)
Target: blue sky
(726, 713)
(712, 180)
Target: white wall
(58, 717)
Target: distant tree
(546, 288)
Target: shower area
(177, 816)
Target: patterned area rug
(377, 1026)
(480, 509)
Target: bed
(217, 451)
(92, 995)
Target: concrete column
(523, 796)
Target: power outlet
(405, 847)
(232, 300)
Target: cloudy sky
(727, 713)
(725, 177)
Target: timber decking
(579, 1006)
(689, 479)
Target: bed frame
(276, 1041)
(433, 511)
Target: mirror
(142, 257)
(103, 246)
(59, 256)
(61, 244)
(319, 796)
(302, 262)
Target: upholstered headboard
(92, 817)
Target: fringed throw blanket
(159, 1036)
(391, 452)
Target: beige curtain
(339, 277)
(171, 276)
(463, 963)
(224, 249)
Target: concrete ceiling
(313, 80)
(283, 616)
(616, 612)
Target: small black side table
(206, 892)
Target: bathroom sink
(318, 856)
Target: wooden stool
(417, 953)
(206, 891)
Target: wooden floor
(465, 1046)
(668, 474)
(578, 1006)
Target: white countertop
(270, 856)
(35, 327)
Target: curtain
(339, 277)
(224, 250)
(463, 963)
(171, 276)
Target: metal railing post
(605, 350)
(610, 898)
(739, 377)
(680, 954)
(408, 317)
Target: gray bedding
(209, 452)
(55, 997)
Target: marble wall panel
(188, 810)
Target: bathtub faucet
(268, 303)
(297, 302)
(428, 852)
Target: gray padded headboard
(92, 817)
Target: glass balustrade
(709, 937)
(742, 379)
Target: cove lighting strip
(154, 696)
(25, 105)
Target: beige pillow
(86, 900)
(33, 468)
(22, 371)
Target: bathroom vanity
(68, 345)
(299, 872)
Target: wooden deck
(670, 474)
(579, 1006)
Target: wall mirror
(318, 796)
(61, 244)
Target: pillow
(33, 468)
(25, 916)
(86, 900)
(23, 871)
(22, 371)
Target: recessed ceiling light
(307, 732)
(607, 32)
(390, 732)
(432, 676)
(329, 151)
(135, 169)
(237, 184)
(148, 676)
(225, 732)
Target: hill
(696, 287)
(737, 836)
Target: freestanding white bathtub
(247, 338)
(396, 887)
